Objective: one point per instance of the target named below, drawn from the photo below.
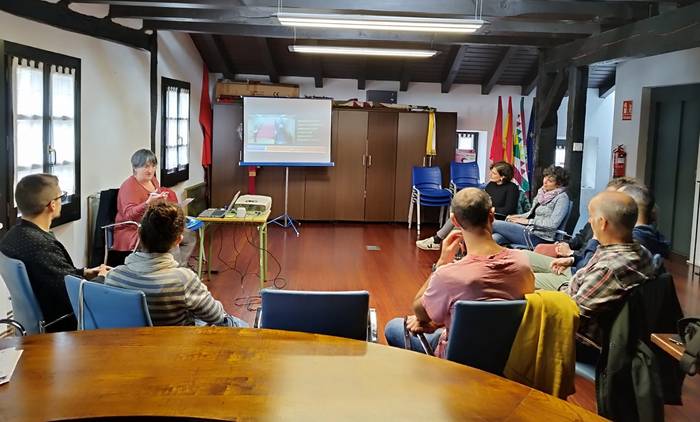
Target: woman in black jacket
(504, 196)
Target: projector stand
(285, 220)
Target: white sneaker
(428, 244)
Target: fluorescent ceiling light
(390, 23)
(361, 51)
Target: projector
(254, 203)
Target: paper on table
(185, 202)
(8, 361)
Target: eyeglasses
(63, 196)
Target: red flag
(205, 119)
(508, 155)
(497, 140)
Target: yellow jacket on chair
(543, 354)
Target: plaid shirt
(610, 275)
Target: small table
(260, 220)
(667, 344)
(257, 375)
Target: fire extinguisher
(619, 161)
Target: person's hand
(154, 196)
(563, 249)
(518, 220)
(559, 265)
(450, 246)
(103, 270)
(90, 273)
(417, 327)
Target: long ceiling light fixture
(388, 23)
(362, 51)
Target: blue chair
(341, 314)
(464, 175)
(559, 235)
(427, 191)
(19, 328)
(99, 306)
(24, 304)
(482, 332)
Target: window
(43, 131)
(175, 143)
(560, 152)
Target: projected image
(266, 129)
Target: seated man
(618, 266)
(174, 294)
(488, 272)
(644, 232)
(31, 241)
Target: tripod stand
(285, 220)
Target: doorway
(671, 167)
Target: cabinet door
(349, 166)
(227, 177)
(319, 198)
(410, 150)
(381, 166)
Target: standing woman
(549, 209)
(135, 194)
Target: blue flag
(530, 144)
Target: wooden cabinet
(374, 152)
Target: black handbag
(689, 332)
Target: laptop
(221, 212)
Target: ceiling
(243, 37)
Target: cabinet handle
(364, 160)
(370, 161)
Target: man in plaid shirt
(618, 266)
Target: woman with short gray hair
(135, 195)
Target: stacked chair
(427, 191)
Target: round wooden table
(252, 374)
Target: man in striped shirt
(617, 267)
(175, 295)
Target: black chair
(19, 328)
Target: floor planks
(334, 256)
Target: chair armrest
(258, 315)
(372, 326)
(16, 324)
(45, 325)
(424, 343)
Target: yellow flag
(430, 148)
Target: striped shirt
(601, 286)
(175, 295)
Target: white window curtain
(171, 135)
(62, 141)
(28, 115)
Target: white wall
(115, 106)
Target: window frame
(169, 179)
(71, 207)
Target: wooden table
(254, 374)
(259, 220)
(665, 342)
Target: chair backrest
(482, 332)
(464, 174)
(24, 304)
(341, 314)
(426, 177)
(562, 226)
(107, 306)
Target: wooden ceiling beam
(60, 16)
(270, 31)
(268, 60)
(362, 75)
(405, 77)
(229, 67)
(678, 29)
(453, 64)
(530, 81)
(607, 87)
(498, 71)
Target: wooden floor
(335, 257)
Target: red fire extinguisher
(619, 161)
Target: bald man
(618, 265)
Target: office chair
(341, 314)
(24, 303)
(99, 306)
(427, 191)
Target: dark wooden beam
(154, 89)
(561, 9)
(498, 70)
(575, 128)
(607, 87)
(454, 62)
(362, 75)
(530, 81)
(405, 77)
(678, 29)
(268, 60)
(5, 191)
(269, 31)
(229, 67)
(62, 17)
